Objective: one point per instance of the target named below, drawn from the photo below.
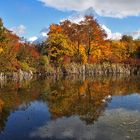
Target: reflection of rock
(118, 124)
(1, 105)
(3, 115)
(3, 119)
(87, 98)
(107, 98)
(68, 96)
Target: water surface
(70, 108)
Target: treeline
(67, 42)
(15, 54)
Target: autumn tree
(2, 38)
(93, 34)
(9, 45)
(27, 56)
(137, 53)
(57, 45)
(130, 45)
(74, 31)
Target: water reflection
(119, 124)
(70, 108)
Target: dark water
(70, 108)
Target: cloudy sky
(28, 17)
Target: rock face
(87, 69)
(20, 75)
(2, 76)
(101, 69)
(25, 75)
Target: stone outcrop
(19, 75)
(101, 69)
(77, 69)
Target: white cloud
(42, 36)
(110, 35)
(113, 124)
(111, 8)
(135, 35)
(19, 30)
(75, 18)
(79, 16)
(116, 36)
(32, 39)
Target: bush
(25, 66)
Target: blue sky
(28, 17)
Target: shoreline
(75, 69)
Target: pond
(70, 108)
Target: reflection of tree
(14, 94)
(68, 96)
(86, 97)
(3, 118)
(77, 98)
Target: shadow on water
(70, 108)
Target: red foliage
(16, 64)
(92, 60)
(66, 59)
(132, 61)
(114, 59)
(34, 52)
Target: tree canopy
(67, 42)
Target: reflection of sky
(129, 102)
(24, 120)
(116, 124)
(120, 121)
